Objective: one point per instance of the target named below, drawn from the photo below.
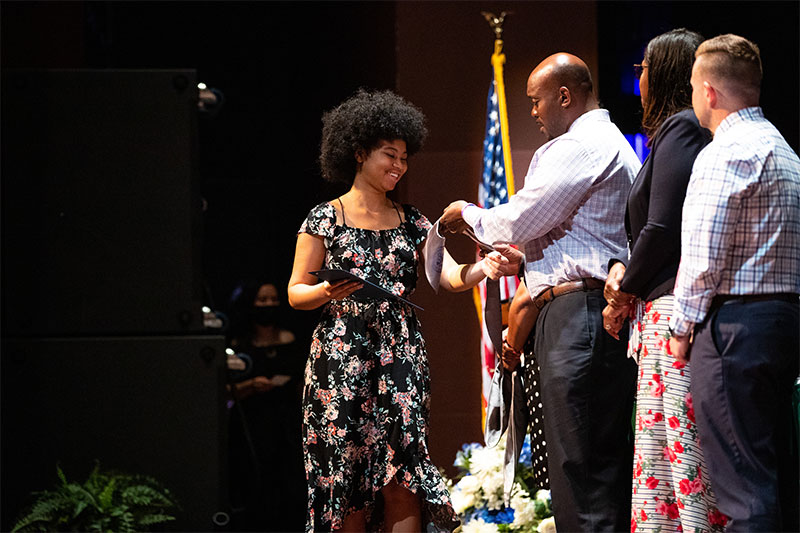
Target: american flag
(497, 183)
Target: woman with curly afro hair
(367, 384)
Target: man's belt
(551, 293)
(791, 297)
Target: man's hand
(614, 318)
(451, 217)
(514, 256)
(679, 348)
(495, 266)
(511, 259)
(508, 355)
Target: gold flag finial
(496, 22)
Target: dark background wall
(281, 64)
(625, 28)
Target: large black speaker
(101, 211)
(142, 405)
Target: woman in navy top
(671, 491)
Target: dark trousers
(745, 359)
(588, 387)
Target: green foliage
(106, 501)
(542, 508)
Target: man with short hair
(568, 219)
(737, 292)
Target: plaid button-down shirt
(740, 232)
(568, 218)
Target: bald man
(737, 292)
(568, 219)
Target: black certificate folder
(369, 290)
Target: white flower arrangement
(477, 493)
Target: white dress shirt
(740, 232)
(568, 219)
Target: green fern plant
(106, 501)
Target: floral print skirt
(365, 417)
(671, 489)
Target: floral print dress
(671, 489)
(367, 382)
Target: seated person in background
(267, 480)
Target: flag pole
(497, 184)
(498, 60)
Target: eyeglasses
(638, 68)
